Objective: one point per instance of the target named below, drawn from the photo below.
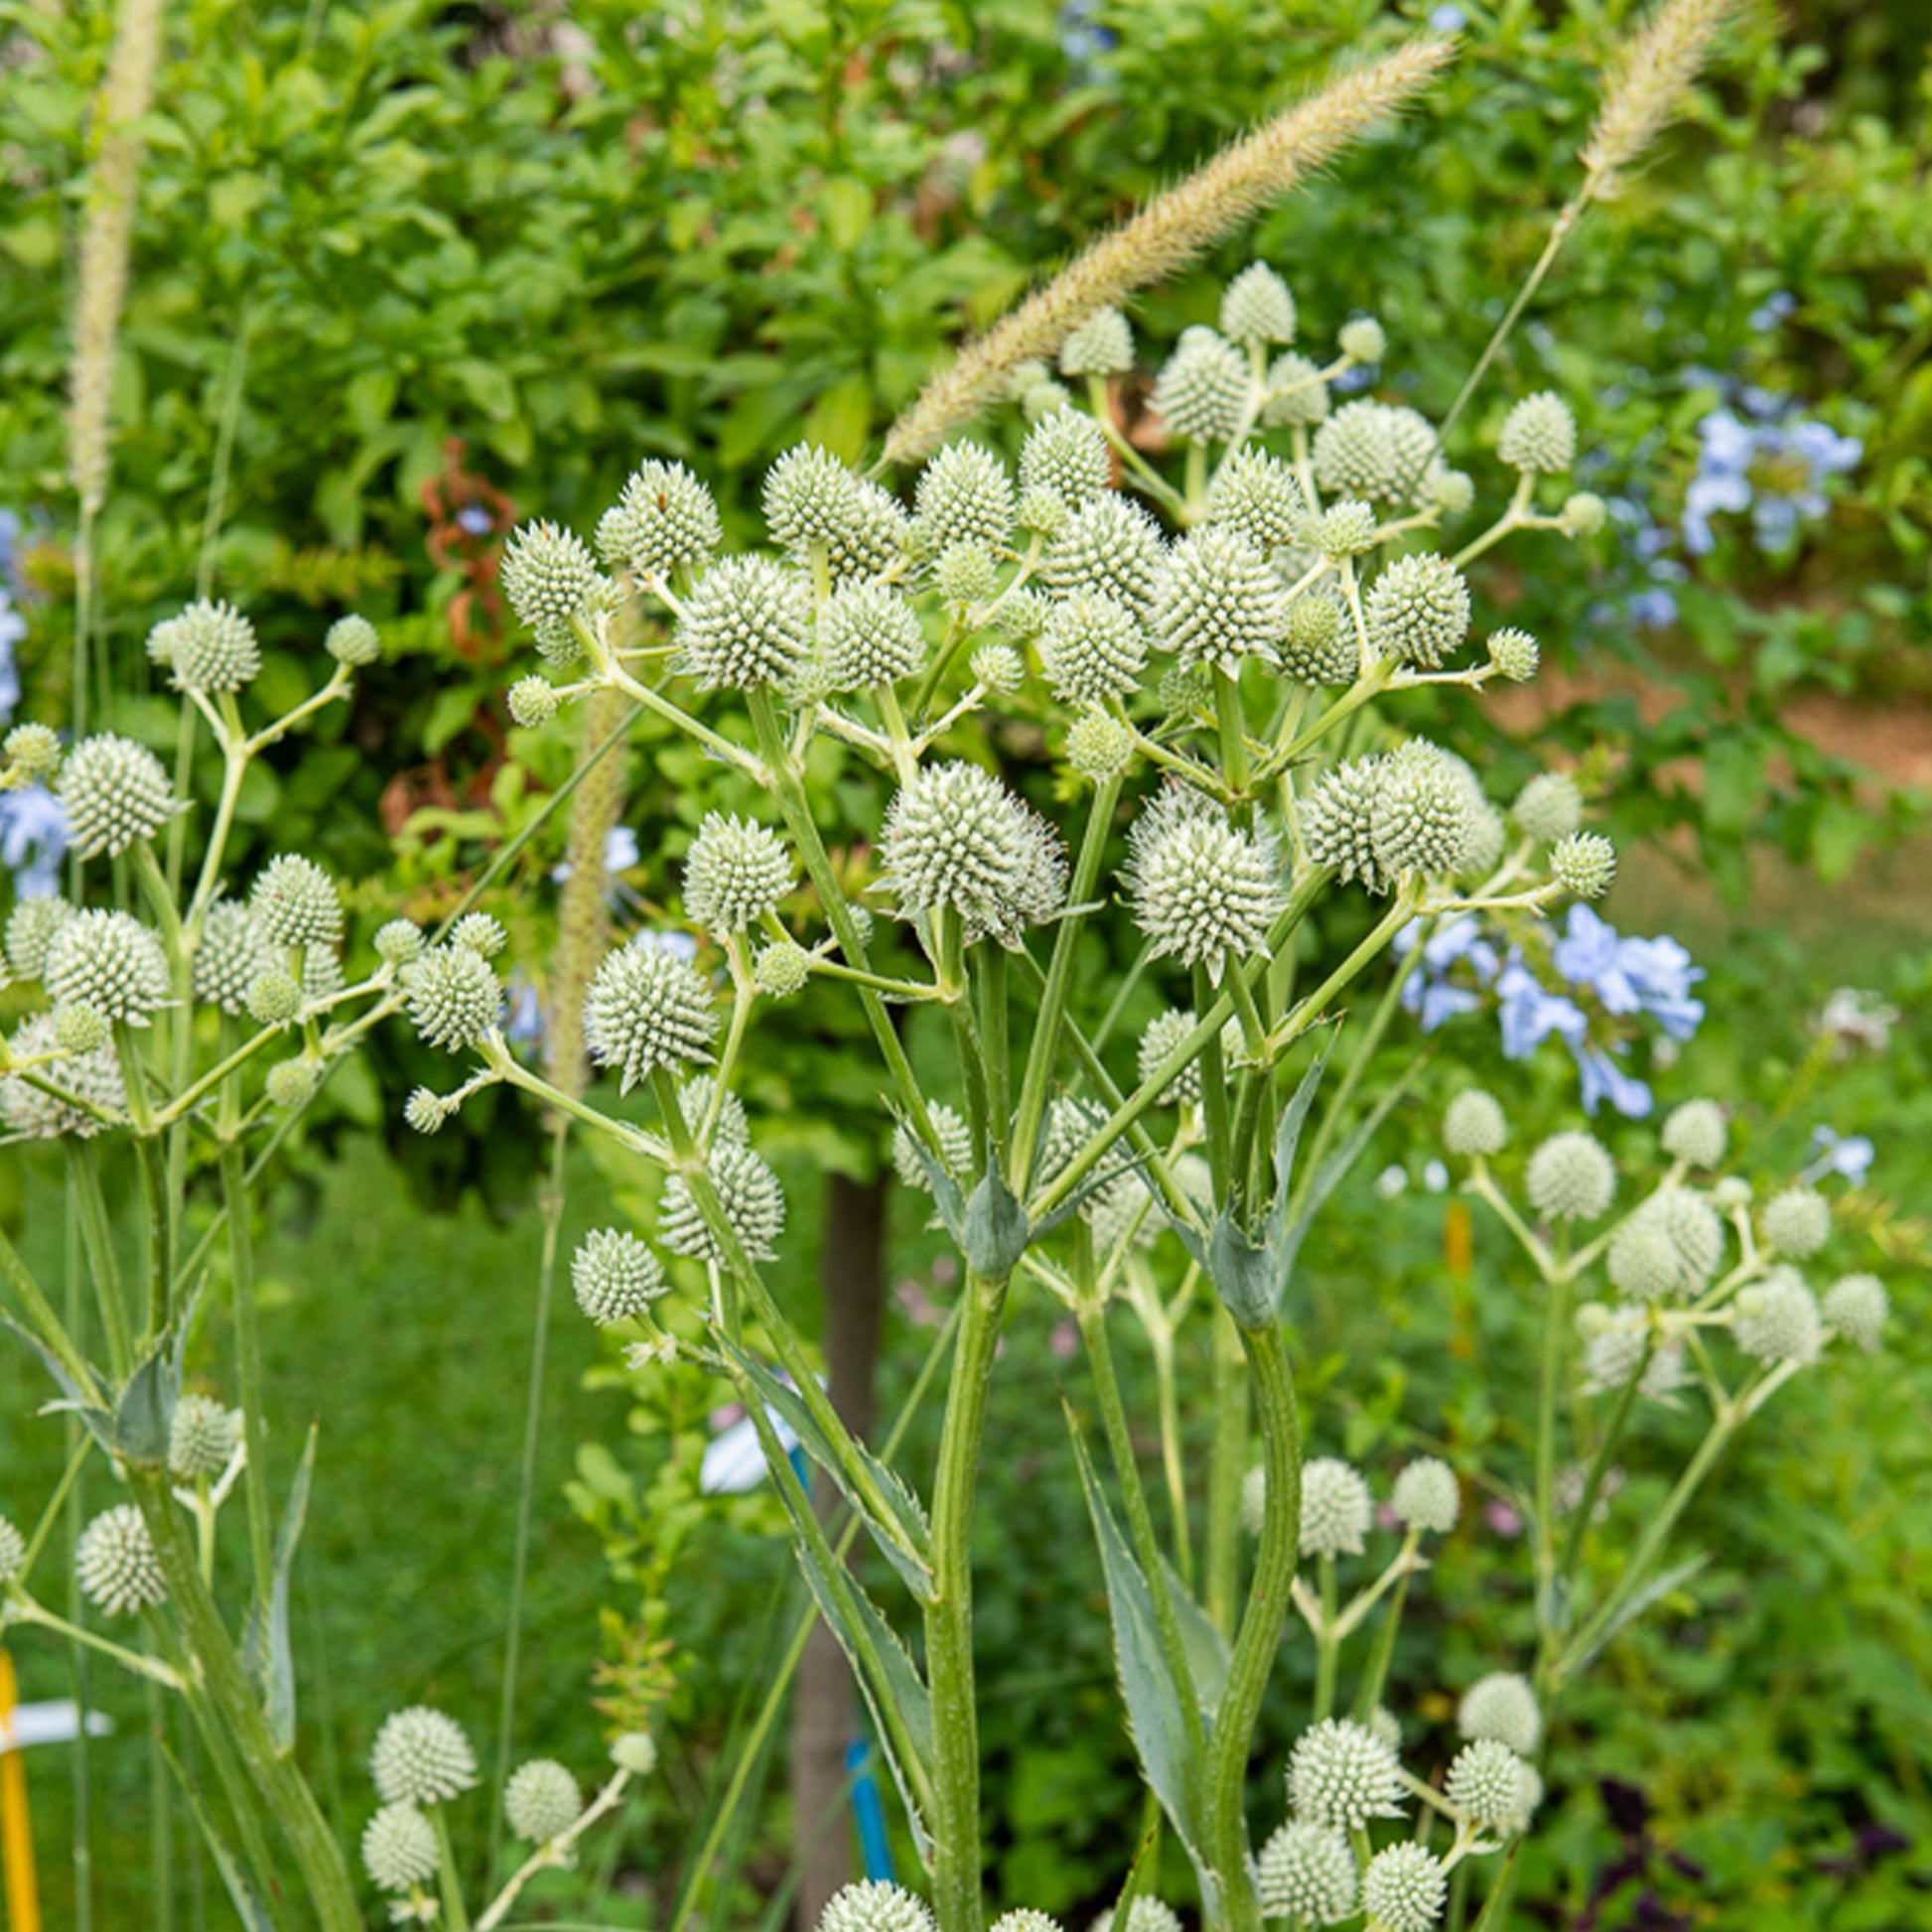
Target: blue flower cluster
(33, 829)
(1765, 458)
(1586, 985)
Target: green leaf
(846, 205)
(1638, 1601)
(1208, 1657)
(996, 1231)
(100, 1425)
(144, 1415)
(279, 1660)
(247, 1907)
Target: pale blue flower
(1846, 1155)
(32, 836)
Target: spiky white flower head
(1043, 400)
(1099, 747)
(1418, 610)
(1571, 1178)
(1614, 1342)
(874, 1905)
(998, 667)
(1423, 818)
(291, 1083)
(1070, 1125)
(955, 1146)
(12, 1553)
(1340, 1774)
(648, 1008)
(41, 1116)
(614, 1275)
(1404, 1888)
(1066, 456)
(965, 572)
(273, 998)
(1092, 649)
(1697, 1134)
(533, 701)
(480, 933)
(31, 927)
(1110, 545)
(1023, 1918)
(736, 872)
(1514, 654)
(1363, 340)
(1474, 1124)
(1041, 512)
(694, 1098)
(1257, 307)
(1729, 1193)
(553, 584)
(1202, 389)
(1220, 603)
(1307, 1873)
(1797, 1222)
(1101, 346)
(398, 942)
(452, 997)
(1584, 864)
(353, 643)
(1777, 1319)
(1449, 490)
(115, 1563)
(1382, 1722)
(878, 536)
(810, 496)
(1502, 1706)
(1203, 889)
(1338, 820)
(964, 495)
(1583, 515)
(296, 904)
(1426, 1496)
(634, 1752)
(109, 961)
(420, 1757)
(1319, 645)
(956, 836)
(1335, 1508)
(34, 749)
(232, 955)
(114, 792)
(1539, 435)
(425, 1111)
(1856, 1306)
(780, 970)
(1161, 1035)
(1643, 1261)
(1344, 529)
(750, 1195)
(80, 1029)
(1258, 496)
(664, 519)
(1185, 692)
(212, 647)
(867, 633)
(1695, 1230)
(1550, 807)
(541, 1801)
(1296, 394)
(1371, 451)
(1486, 1784)
(1145, 1913)
(201, 1436)
(748, 623)
(399, 1850)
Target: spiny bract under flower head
(1067, 457)
(1426, 1496)
(1418, 610)
(1584, 864)
(1697, 1134)
(421, 1757)
(400, 1849)
(1202, 387)
(1308, 1873)
(1220, 603)
(1092, 649)
(1343, 1776)
(748, 623)
(964, 495)
(648, 1008)
(109, 961)
(1503, 1707)
(452, 997)
(1101, 346)
(1203, 889)
(42, 1116)
(541, 1801)
(115, 1564)
(664, 520)
(748, 1191)
(1539, 434)
(1113, 546)
(1257, 307)
(553, 584)
(736, 872)
(614, 1275)
(114, 792)
(212, 647)
(1486, 1783)
(1571, 1178)
(873, 1905)
(1403, 1888)
(1797, 1222)
(1296, 394)
(201, 1436)
(295, 903)
(1474, 1124)
(1550, 807)
(353, 641)
(1335, 1508)
(867, 633)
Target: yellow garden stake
(16, 1838)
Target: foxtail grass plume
(1645, 85)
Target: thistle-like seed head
(781, 970)
(40, 1115)
(1502, 1706)
(296, 904)
(399, 942)
(1320, 646)
(869, 633)
(1697, 1134)
(1418, 610)
(114, 792)
(421, 1757)
(1474, 1124)
(1373, 450)
(1307, 1875)
(115, 1564)
(663, 521)
(873, 1905)
(353, 641)
(1778, 1320)
(965, 572)
(750, 1195)
(31, 927)
(1257, 494)
(1103, 345)
(614, 1275)
(109, 961)
(541, 1801)
(880, 534)
(1099, 747)
(1203, 388)
(1296, 395)
(1257, 307)
(1092, 649)
(1539, 435)
(1424, 816)
(201, 1436)
(533, 701)
(964, 495)
(1797, 1222)
(1363, 340)
(1335, 1508)
(748, 623)
(1338, 820)
(1549, 807)
(554, 585)
(810, 497)
(34, 749)
(399, 1850)
(955, 1146)
(1220, 603)
(1486, 1783)
(480, 933)
(1043, 513)
(736, 872)
(232, 955)
(1426, 1496)
(1584, 864)
(1571, 1178)
(453, 996)
(1203, 889)
(1856, 1306)
(1112, 547)
(648, 1008)
(1404, 1888)
(1344, 529)
(1341, 1775)
(212, 647)
(1066, 457)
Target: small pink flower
(1502, 1519)
(918, 1306)
(725, 1414)
(946, 1271)
(1066, 1340)
(1386, 1518)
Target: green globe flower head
(867, 633)
(1320, 646)
(115, 1564)
(1491, 1786)
(878, 537)
(1696, 1133)
(1423, 818)
(1066, 457)
(1502, 1706)
(1515, 654)
(1023, 1919)
(1418, 610)
(79, 1029)
(40, 1115)
(1797, 1222)
(1043, 400)
(541, 1801)
(1550, 807)
(634, 1752)
(1643, 1261)
(114, 792)
(533, 702)
(873, 1905)
(1539, 435)
(1426, 1496)
(1341, 1775)
(1220, 603)
(31, 927)
(421, 1757)
(1202, 389)
(1584, 864)
(1297, 398)
(1102, 345)
(1112, 547)
(296, 904)
(1452, 492)
(615, 1277)
(353, 643)
(1257, 309)
(1571, 1178)
(1404, 1888)
(1778, 1320)
(1344, 529)
(1857, 1305)
(648, 1008)
(399, 942)
(1203, 891)
(480, 933)
(453, 996)
(965, 572)
(1474, 1124)
(1374, 452)
(1335, 1508)
(1307, 1873)
(664, 520)
(810, 497)
(955, 1147)
(694, 1101)
(203, 1437)
(1159, 1038)
(747, 624)
(1363, 340)
(212, 647)
(964, 495)
(33, 751)
(399, 1850)
(748, 1191)
(1258, 496)
(1583, 514)
(233, 953)
(779, 971)
(111, 962)
(1092, 649)
(1099, 747)
(291, 1083)
(736, 872)
(1043, 513)
(1339, 824)
(425, 1111)
(554, 585)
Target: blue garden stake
(869, 1811)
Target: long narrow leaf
(248, 1908)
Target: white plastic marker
(55, 1721)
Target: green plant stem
(97, 1241)
(1269, 1594)
(1556, 1327)
(993, 1030)
(1167, 1394)
(1227, 1469)
(23, 1609)
(1327, 1642)
(1213, 1084)
(1369, 1694)
(1565, 221)
(248, 1372)
(455, 1915)
(1573, 1543)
